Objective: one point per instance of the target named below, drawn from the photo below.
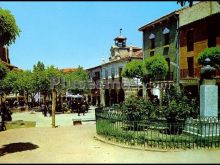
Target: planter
(19, 124)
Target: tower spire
(120, 31)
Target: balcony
(195, 73)
(168, 77)
(189, 74)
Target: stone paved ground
(61, 119)
(76, 144)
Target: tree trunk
(53, 107)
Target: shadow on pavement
(17, 147)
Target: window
(166, 33)
(151, 53)
(190, 41)
(190, 62)
(166, 39)
(152, 43)
(152, 40)
(97, 75)
(113, 72)
(166, 51)
(211, 35)
(106, 74)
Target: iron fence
(192, 133)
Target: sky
(68, 34)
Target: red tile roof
(67, 70)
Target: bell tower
(120, 41)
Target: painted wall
(159, 42)
(198, 11)
(200, 31)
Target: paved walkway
(60, 119)
(76, 144)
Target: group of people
(79, 106)
(5, 115)
(46, 108)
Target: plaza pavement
(70, 143)
(60, 118)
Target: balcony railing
(195, 73)
(168, 77)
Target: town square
(110, 82)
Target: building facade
(161, 37)
(113, 87)
(4, 58)
(94, 78)
(199, 29)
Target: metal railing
(192, 133)
(195, 73)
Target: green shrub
(136, 109)
(176, 104)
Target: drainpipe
(177, 52)
(144, 84)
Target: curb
(97, 137)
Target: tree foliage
(9, 30)
(136, 109)
(24, 82)
(156, 66)
(176, 105)
(3, 70)
(134, 69)
(8, 83)
(213, 54)
(38, 67)
(75, 79)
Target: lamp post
(53, 106)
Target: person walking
(79, 107)
(2, 123)
(50, 108)
(44, 109)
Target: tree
(134, 69)
(176, 107)
(24, 84)
(156, 66)
(3, 70)
(8, 83)
(41, 83)
(76, 80)
(9, 30)
(39, 66)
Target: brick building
(199, 28)
(4, 58)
